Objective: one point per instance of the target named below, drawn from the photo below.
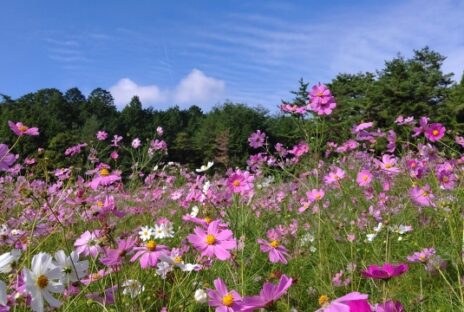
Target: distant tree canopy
(410, 87)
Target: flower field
(371, 224)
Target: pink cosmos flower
(222, 299)
(256, 139)
(422, 196)
(352, 302)
(136, 143)
(214, 241)
(240, 182)
(362, 126)
(277, 252)
(391, 138)
(322, 101)
(293, 109)
(148, 254)
(389, 306)
(385, 272)
(159, 131)
(116, 139)
(422, 256)
(104, 177)
(435, 132)
(88, 243)
(20, 129)
(388, 164)
(299, 149)
(459, 140)
(115, 257)
(364, 178)
(423, 125)
(269, 294)
(334, 176)
(102, 135)
(6, 158)
(315, 195)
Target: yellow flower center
(236, 183)
(42, 281)
(99, 203)
(210, 239)
(435, 132)
(274, 244)
(425, 193)
(422, 258)
(318, 196)
(104, 172)
(23, 128)
(95, 276)
(178, 260)
(413, 165)
(151, 245)
(319, 94)
(388, 166)
(228, 300)
(365, 178)
(323, 300)
(208, 220)
(445, 179)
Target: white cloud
(198, 88)
(125, 89)
(195, 88)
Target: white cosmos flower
(195, 211)
(163, 231)
(163, 268)
(204, 168)
(133, 288)
(206, 186)
(146, 233)
(73, 270)
(3, 299)
(42, 280)
(7, 259)
(176, 260)
(201, 296)
(370, 237)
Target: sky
(206, 52)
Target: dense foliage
(412, 87)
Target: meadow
(372, 224)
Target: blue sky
(204, 52)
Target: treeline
(410, 87)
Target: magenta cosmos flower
(213, 241)
(102, 135)
(385, 272)
(277, 252)
(389, 306)
(256, 139)
(148, 254)
(352, 302)
(364, 178)
(334, 176)
(422, 196)
(223, 299)
(435, 132)
(104, 177)
(20, 129)
(240, 182)
(315, 195)
(89, 243)
(269, 294)
(6, 158)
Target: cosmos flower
(136, 143)
(240, 182)
(222, 299)
(6, 159)
(102, 135)
(352, 302)
(364, 178)
(148, 254)
(104, 177)
(72, 268)
(385, 272)
(214, 241)
(276, 251)
(115, 257)
(422, 256)
(322, 101)
(435, 132)
(206, 167)
(389, 306)
(334, 176)
(269, 294)
(20, 129)
(42, 280)
(7, 259)
(88, 243)
(257, 139)
(132, 288)
(422, 196)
